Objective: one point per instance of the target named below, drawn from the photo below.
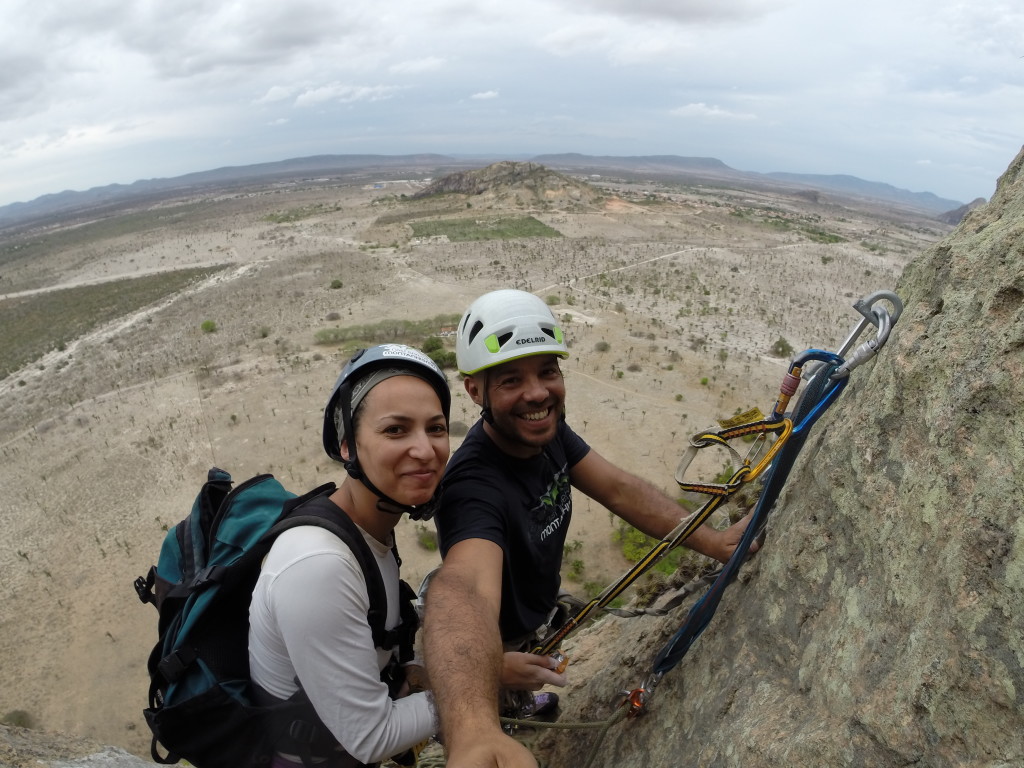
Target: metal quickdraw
(719, 494)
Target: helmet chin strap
(385, 503)
(485, 406)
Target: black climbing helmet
(359, 375)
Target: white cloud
(416, 66)
(344, 94)
(484, 95)
(275, 94)
(702, 110)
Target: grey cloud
(203, 38)
(683, 11)
(23, 85)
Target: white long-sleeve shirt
(308, 620)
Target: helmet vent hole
(549, 332)
(504, 338)
(477, 326)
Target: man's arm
(645, 507)
(464, 657)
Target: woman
(387, 422)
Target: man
(505, 510)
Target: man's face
(526, 397)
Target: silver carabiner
(881, 317)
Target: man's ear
(473, 389)
(343, 449)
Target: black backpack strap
(410, 622)
(317, 509)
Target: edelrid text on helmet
(506, 325)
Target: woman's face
(402, 439)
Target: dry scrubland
(105, 440)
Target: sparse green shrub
(264, 331)
(208, 326)
(19, 718)
(386, 331)
(465, 229)
(602, 346)
(426, 537)
(782, 348)
(552, 300)
(445, 358)
(336, 284)
(458, 428)
(635, 544)
(33, 325)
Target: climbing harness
(826, 381)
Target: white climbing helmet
(506, 325)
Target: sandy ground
(105, 443)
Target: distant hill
(115, 195)
(712, 169)
(955, 216)
(514, 183)
(98, 200)
(876, 190)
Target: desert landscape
(678, 300)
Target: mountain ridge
(96, 199)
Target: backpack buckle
(173, 665)
(144, 586)
(210, 574)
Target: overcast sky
(926, 95)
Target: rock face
(23, 748)
(510, 183)
(883, 623)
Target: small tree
(782, 348)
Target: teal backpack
(202, 704)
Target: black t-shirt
(522, 505)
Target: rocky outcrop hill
(883, 624)
(957, 214)
(515, 184)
